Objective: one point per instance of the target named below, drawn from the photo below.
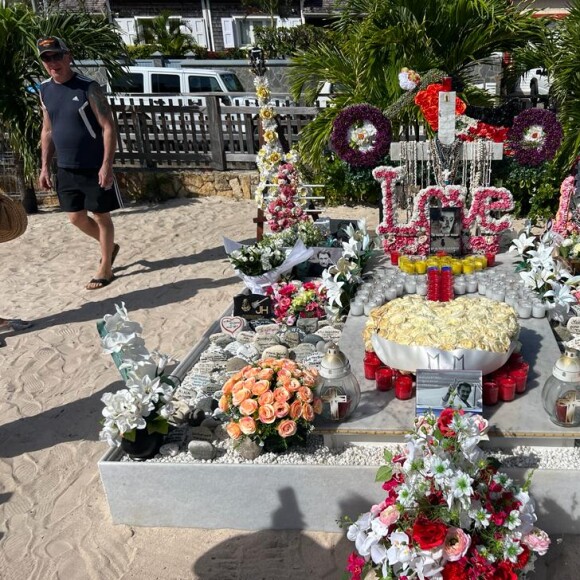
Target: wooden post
(216, 135)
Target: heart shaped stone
(232, 324)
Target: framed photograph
(321, 259)
(438, 390)
(445, 230)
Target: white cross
(332, 396)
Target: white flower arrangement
(341, 279)
(543, 274)
(147, 400)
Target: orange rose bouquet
(272, 402)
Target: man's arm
(47, 151)
(102, 110)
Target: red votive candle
(394, 258)
(490, 257)
(490, 392)
(384, 378)
(507, 388)
(371, 363)
(447, 84)
(520, 376)
(403, 387)
(515, 359)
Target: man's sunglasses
(56, 57)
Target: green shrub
(535, 189)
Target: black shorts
(79, 189)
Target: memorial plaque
(303, 351)
(308, 325)
(250, 306)
(291, 337)
(263, 341)
(314, 360)
(329, 334)
(277, 351)
(574, 325)
(232, 324)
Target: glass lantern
(339, 389)
(561, 393)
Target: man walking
(78, 125)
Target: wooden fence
(183, 133)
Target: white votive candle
(356, 308)
(538, 310)
(421, 289)
(472, 285)
(524, 309)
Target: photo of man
(441, 389)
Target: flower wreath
(535, 136)
(361, 135)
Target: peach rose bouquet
(272, 402)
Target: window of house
(246, 29)
(165, 83)
(199, 84)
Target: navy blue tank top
(76, 133)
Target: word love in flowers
(413, 237)
(232, 324)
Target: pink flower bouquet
(448, 514)
(272, 402)
(295, 300)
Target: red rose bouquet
(295, 300)
(449, 514)
(272, 402)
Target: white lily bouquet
(543, 274)
(342, 279)
(147, 400)
(261, 264)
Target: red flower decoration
(428, 534)
(454, 571)
(505, 571)
(428, 102)
(445, 420)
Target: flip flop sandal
(99, 283)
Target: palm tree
(88, 36)
(166, 35)
(374, 40)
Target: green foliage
(166, 35)
(270, 7)
(284, 42)
(374, 40)
(140, 50)
(346, 184)
(88, 36)
(535, 189)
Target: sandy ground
(175, 280)
(173, 276)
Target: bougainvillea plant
(361, 135)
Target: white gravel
(564, 458)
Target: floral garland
(271, 153)
(285, 209)
(428, 102)
(361, 135)
(563, 223)
(535, 136)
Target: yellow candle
(456, 267)
(468, 267)
(421, 266)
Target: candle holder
(403, 387)
(507, 388)
(520, 375)
(384, 377)
(490, 393)
(371, 364)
